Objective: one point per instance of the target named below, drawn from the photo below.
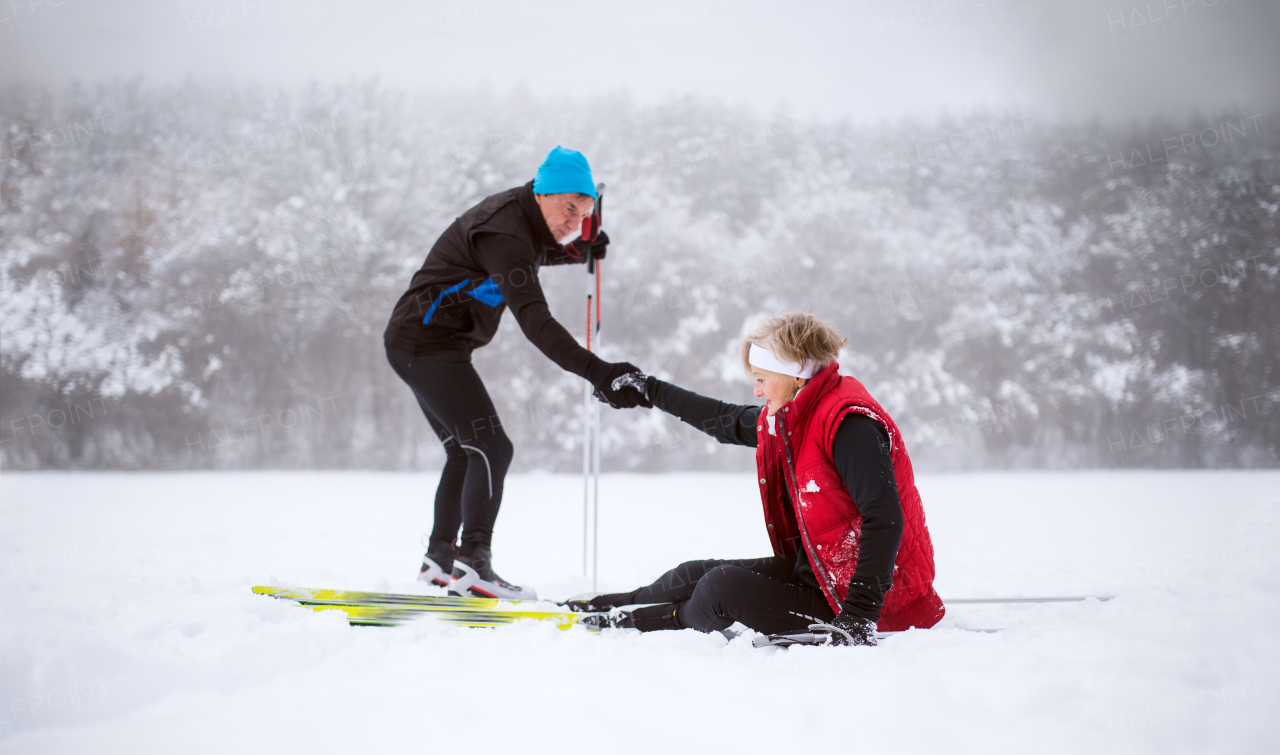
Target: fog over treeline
(198, 275)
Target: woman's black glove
(859, 631)
(622, 386)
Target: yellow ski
(392, 609)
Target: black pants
(477, 451)
(711, 595)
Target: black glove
(622, 386)
(859, 631)
(596, 249)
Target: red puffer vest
(824, 518)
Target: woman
(850, 545)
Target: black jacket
(486, 261)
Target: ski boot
(615, 619)
(437, 564)
(473, 576)
(587, 602)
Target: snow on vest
(824, 518)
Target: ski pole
(586, 439)
(590, 409)
(597, 266)
(1050, 599)
(595, 496)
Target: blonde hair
(796, 337)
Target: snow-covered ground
(127, 625)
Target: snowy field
(127, 625)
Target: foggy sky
(861, 60)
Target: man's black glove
(596, 249)
(852, 630)
(622, 386)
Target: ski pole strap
(591, 227)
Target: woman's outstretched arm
(734, 424)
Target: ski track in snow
(127, 625)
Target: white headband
(765, 360)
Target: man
(486, 261)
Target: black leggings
(711, 595)
(477, 451)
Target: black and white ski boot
(437, 564)
(473, 576)
(587, 602)
(615, 619)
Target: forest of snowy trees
(198, 276)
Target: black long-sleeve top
(484, 263)
(861, 454)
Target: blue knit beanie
(564, 170)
